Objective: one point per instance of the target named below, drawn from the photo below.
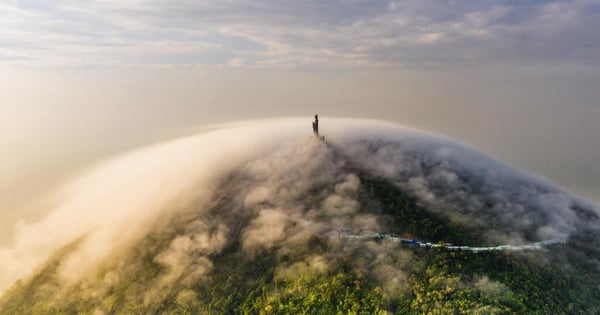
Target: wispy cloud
(297, 33)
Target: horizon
(83, 82)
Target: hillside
(283, 233)
(320, 276)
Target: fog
(279, 186)
(116, 114)
(54, 125)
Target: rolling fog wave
(281, 176)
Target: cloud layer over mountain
(273, 184)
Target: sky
(81, 81)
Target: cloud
(294, 34)
(271, 184)
(114, 204)
(267, 229)
(471, 187)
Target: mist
(124, 185)
(272, 184)
(54, 124)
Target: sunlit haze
(83, 81)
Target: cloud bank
(291, 33)
(275, 185)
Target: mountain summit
(263, 218)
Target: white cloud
(271, 183)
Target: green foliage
(240, 282)
(493, 283)
(340, 293)
(442, 282)
(406, 215)
(235, 278)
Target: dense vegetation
(437, 281)
(443, 282)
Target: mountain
(261, 218)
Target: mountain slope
(272, 237)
